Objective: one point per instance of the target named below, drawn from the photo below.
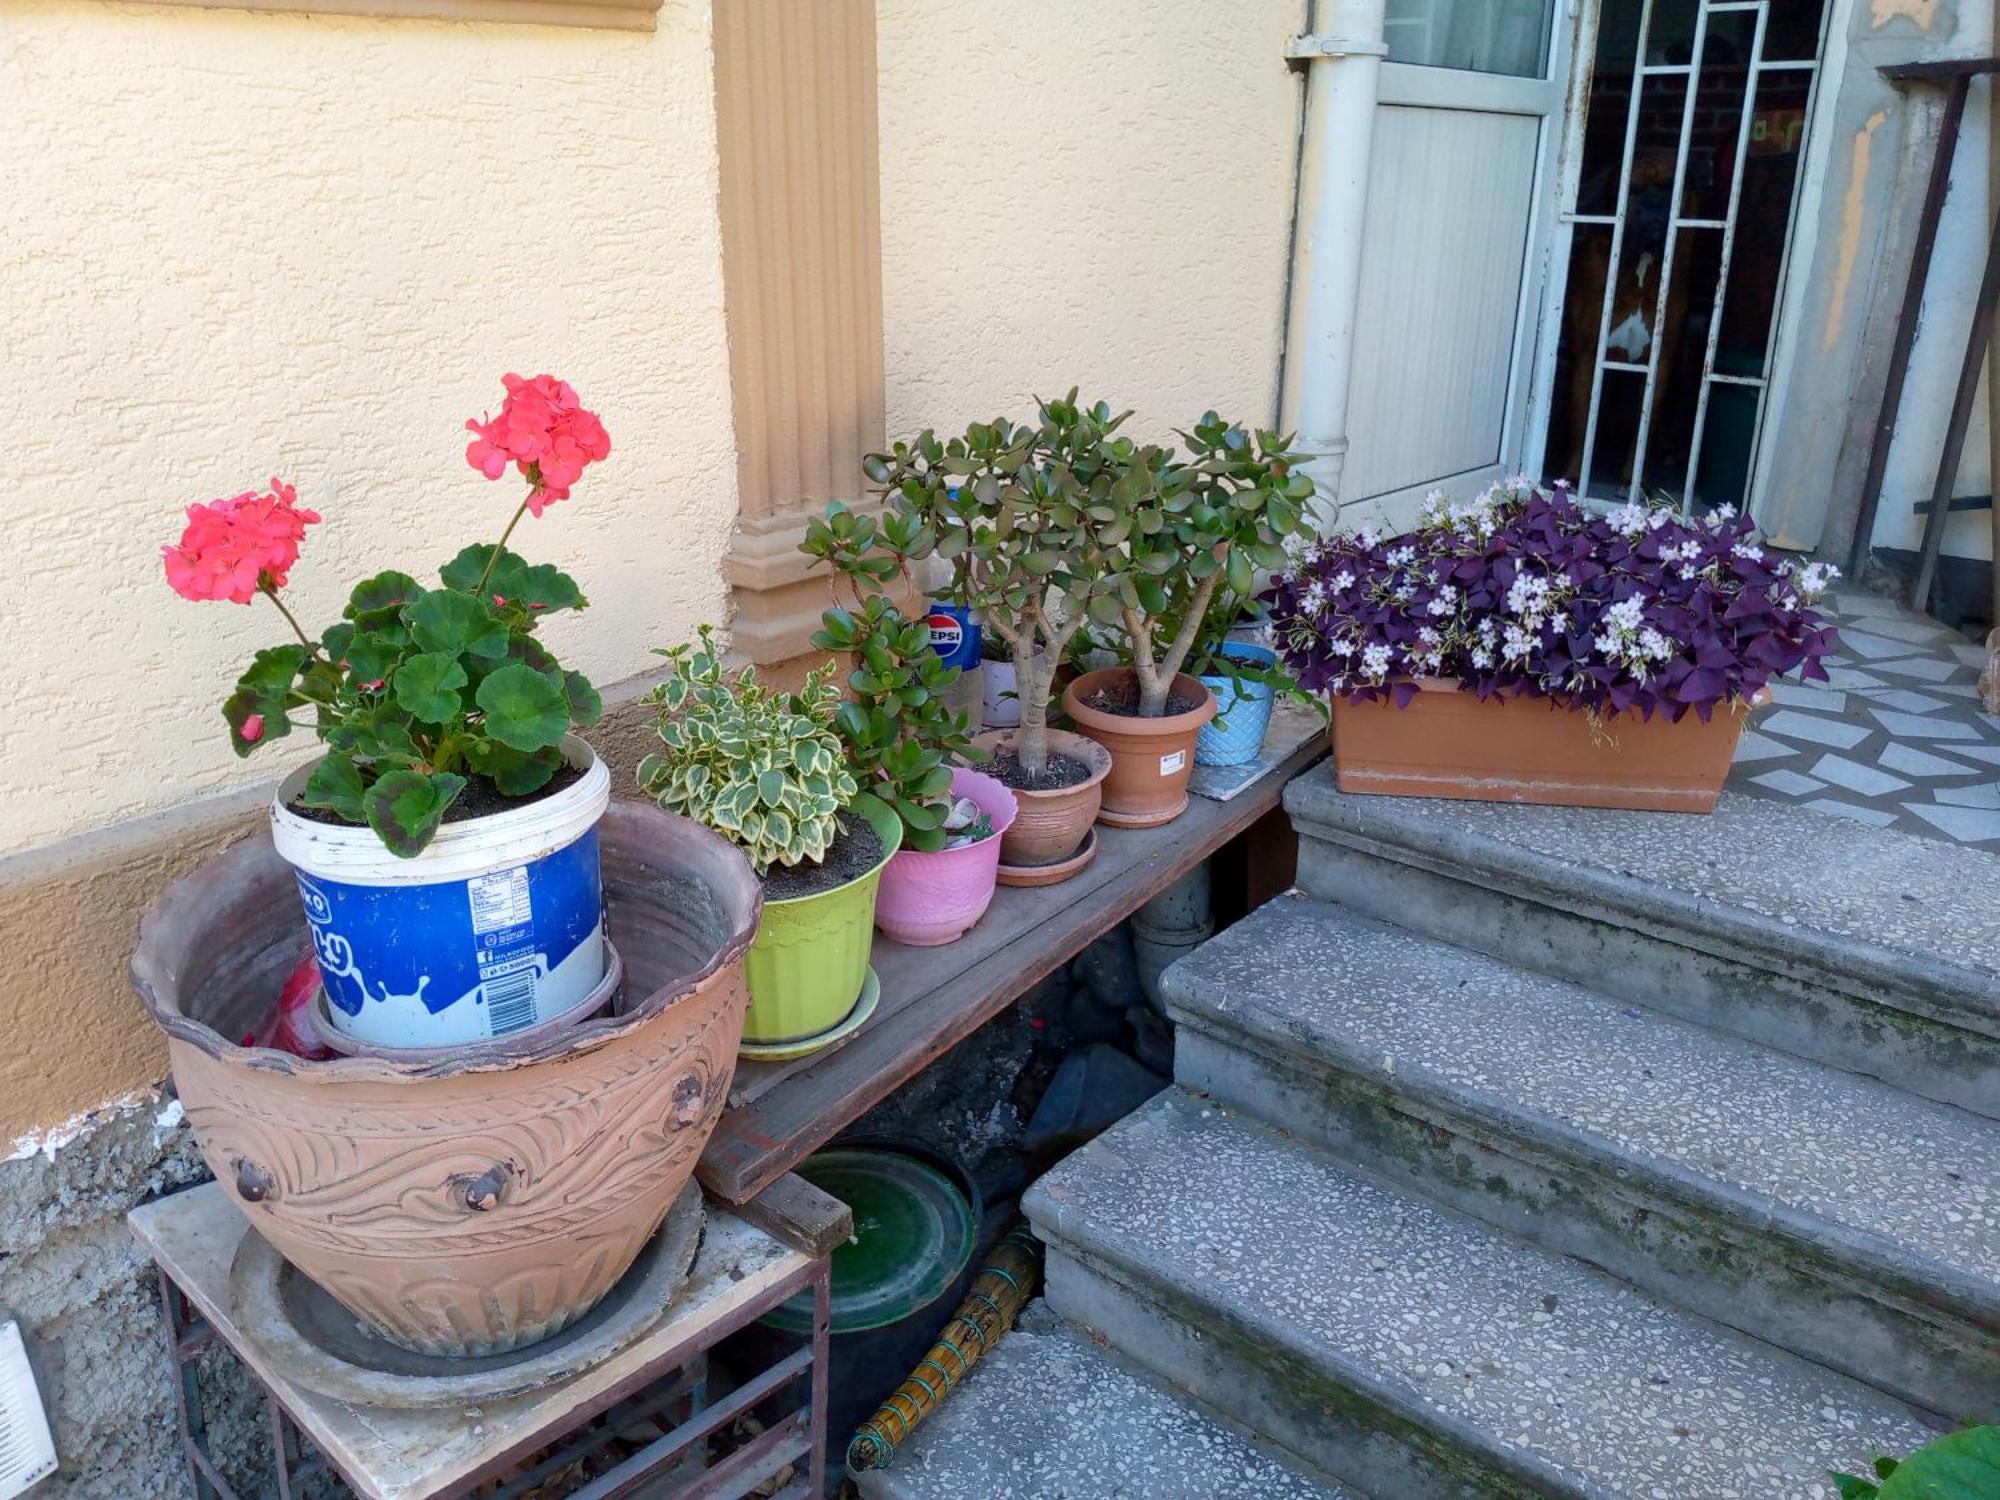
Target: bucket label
(953, 635)
(1172, 763)
(499, 900)
(504, 950)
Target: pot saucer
(1151, 819)
(326, 1348)
(1062, 869)
(864, 1007)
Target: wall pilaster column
(802, 275)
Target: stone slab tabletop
(389, 1454)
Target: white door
(1461, 210)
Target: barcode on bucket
(510, 1001)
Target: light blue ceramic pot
(1236, 733)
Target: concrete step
(1051, 1415)
(1416, 1353)
(1872, 950)
(1830, 1213)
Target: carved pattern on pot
(482, 1201)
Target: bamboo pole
(1003, 1285)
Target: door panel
(1450, 202)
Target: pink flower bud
(253, 728)
(499, 601)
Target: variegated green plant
(763, 768)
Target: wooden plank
(793, 1210)
(908, 974)
(943, 995)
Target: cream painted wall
(1091, 194)
(245, 244)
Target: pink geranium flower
(544, 432)
(232, 548)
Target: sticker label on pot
(499, 899)
(1172, 763)
(503, 926)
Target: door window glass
(1476, 36)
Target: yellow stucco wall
(245, 244)
(1094, 194)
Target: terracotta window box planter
(1448, 743)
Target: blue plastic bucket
(1236, 734)
(496, 927)
(954, 634)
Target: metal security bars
(1717, 37)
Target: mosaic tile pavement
(1895, 738)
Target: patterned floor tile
(1793, 725)
(1923, 668)
(1874, 648)
(1986, 794)
(1897, 741)
(1907, 701)
(1925, 727)
(1856, 777)
(1910, 761)
(1789, 782)
(1966, 824)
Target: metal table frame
(801, 1433)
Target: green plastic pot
(810, 960)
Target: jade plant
(1197, 539)
(1050, 525)
(901, 734)
(763, 768)
(418, 688)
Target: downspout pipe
(1343, 60)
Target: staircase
(1534, 1152)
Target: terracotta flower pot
(1449, 744)
(476, 1201)
(931, 897)
(1050, 825)
(1151, 759)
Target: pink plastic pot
(930, 899)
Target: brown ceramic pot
(478, 1200)
(1151, 759)
(1050, 825)
(1450, 744)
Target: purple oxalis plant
(1525, 593)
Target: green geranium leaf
(257, 712)
(427, 686)
(372, 655)
(336, 785)
(405, 808)
(521, 592)
(1961, 1466)
(456, 624)
(585, 706)
(515, 772)
(378, 600)
(524, 710)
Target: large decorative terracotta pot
(484, 1198)
(1151, 759)
(1448, 743)
(1050, 826)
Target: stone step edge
(1265, 1341)
(1882, 1268)
(1947, 993)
